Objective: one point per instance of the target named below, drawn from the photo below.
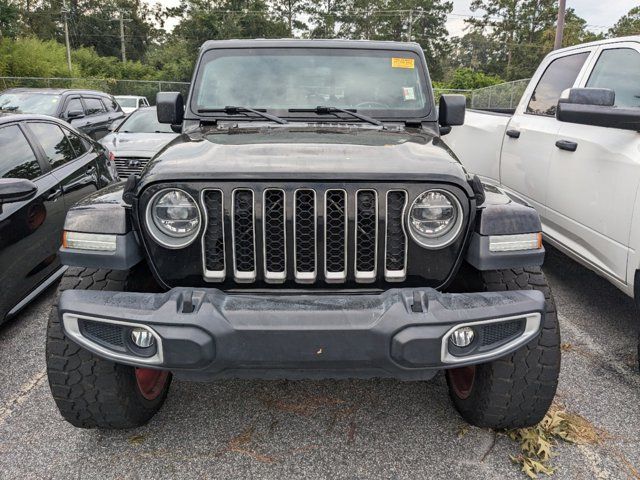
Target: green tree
(575, 32)
(469, 79)
(293, 12)
(629, 24)
(9, 18)
(522, 32)
(46, 58)
(93, 23)
(325, 17)
(202, 20)
(174, 58)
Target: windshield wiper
(240, 110)
(334, 110)
(10, 108)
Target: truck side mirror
(170, 107)
(451, 112)
(595, 106)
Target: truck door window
(559, 75)
(619, 70)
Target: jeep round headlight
(435, 219)
(173, 218)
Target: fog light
(142, 337)
(462, 337)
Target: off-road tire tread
(91, 392)
(517, 390)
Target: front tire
(515, 391)
(91, 392)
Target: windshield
(376, 82)
(144, 120)
(30, 102)
(127, 102)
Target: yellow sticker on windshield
(402, 62)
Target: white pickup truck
(572, 150)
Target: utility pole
(65, 12)
(410, 25)
(121, 19)
(562, 6)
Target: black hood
(308, 152)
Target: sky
(599, 14)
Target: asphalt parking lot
(332, 429)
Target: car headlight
(435, 219)
(173, 218)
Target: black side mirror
(451, 112)
(73, 114)
(170, 107)
(16, 190)
(595, 106)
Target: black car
(89, 111)
(46, 166)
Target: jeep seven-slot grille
(305, 235)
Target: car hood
(147, 143)
(306, 153)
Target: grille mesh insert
(396, 241)
(499, 332)
(105, 332)
(214, 235)
(305, 231)
(366, 241)
(243, 231)
(335, 234)
(274, 231)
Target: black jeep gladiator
(309, 222)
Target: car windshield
(29, 102)
(144, 120)
(383, 83)
(127, 102)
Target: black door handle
(513, 133)
(567, 145)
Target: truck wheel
(91, 392)
(517, 390)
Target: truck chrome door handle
(567, 145)
(513, 133)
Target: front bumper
(204, 334)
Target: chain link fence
(504, 96)
(145, 88)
